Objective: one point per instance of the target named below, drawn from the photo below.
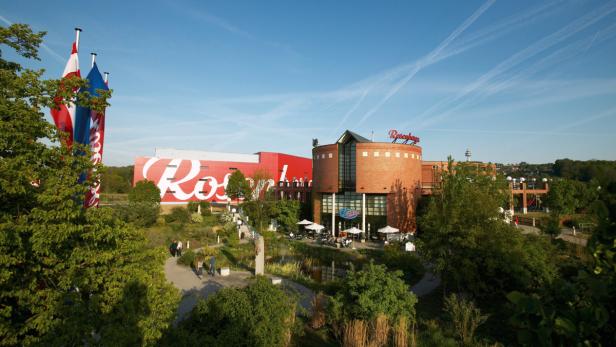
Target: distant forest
(117, 179)
(603, 171)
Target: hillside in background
(117, 179)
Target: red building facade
(184, 176)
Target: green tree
(238, 186)
(561, 198)
(576, 312)
(471, 248)
(67, 275)
(258, 315)
(286, 213)
(145, 191)
(372, 291)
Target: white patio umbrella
(315, 227)
(304, 222)
(388, 230)
(353, 231)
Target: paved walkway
(566, 234)
(193, 288)
(428, 283)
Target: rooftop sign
(405, 138)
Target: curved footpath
(193, 288)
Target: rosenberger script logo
(405, 137)
(205, 188)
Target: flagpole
(93, 58)
(77, 31)
(106, 77)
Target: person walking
(213, 266)
(199, 267)
(179, 249)
(173, 248)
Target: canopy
(388, 230)
(315, 226)
(354, 230)
(304, 222)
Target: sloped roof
(347, 135)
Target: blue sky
(511, 80)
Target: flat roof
(171, 153)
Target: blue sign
(347, 213)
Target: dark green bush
(187, 258)
(179, 215)
(205, 208)
(193, 206)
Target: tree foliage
(238, 186)
(258, 315)
(67, 275)
(117, 180)
(145, 191)
(464, 237)
(372, 291)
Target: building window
(397, 154)
(387, 154)
(329, 155)
(170, 192)
(376, 154)
(172, 166)
(406, 155)
(205, 167)
(346, 166)
(364, 154)
(323, 156)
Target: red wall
(183, 180)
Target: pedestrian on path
(199, 266)
(179, 249)
(213, 266)
(173, 248)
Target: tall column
(334, 214)
(524, 201)
(363, 213)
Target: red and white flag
(64, 114)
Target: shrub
(193, 206)
(466, 318)
(179, 215)
(205, 208)
(141, 214)
(187, 258)
(372, 291)
(258, 315)
(145, 191)
(196, 218)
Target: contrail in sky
(518, 58)
(51, 52)
(430, 59)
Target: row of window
(376, 204)
(375, 153)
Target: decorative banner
(348, 213)
(64, 114)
